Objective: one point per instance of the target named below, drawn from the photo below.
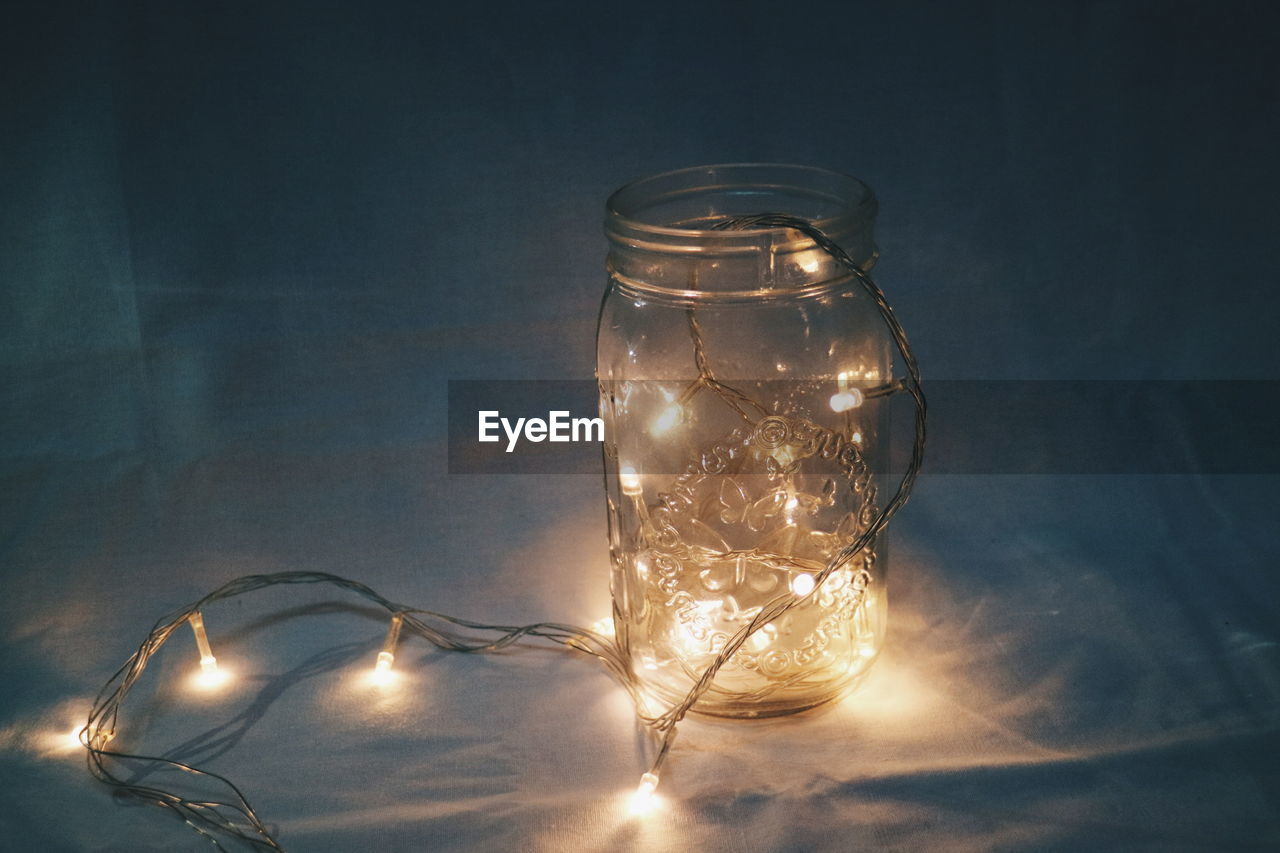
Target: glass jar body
(744, 381)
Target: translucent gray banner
(975, 427)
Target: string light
(81, 737)
(210, 676)
(802, 585)
(644, 800)
(845, 398)
(382, 674)
(665, 725)
(629, 480)
(208, 663)
(235, 818)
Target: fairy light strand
(667, 722)
(382, 667)
(235, 818)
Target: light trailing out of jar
(746, 510)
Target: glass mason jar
(744, 380)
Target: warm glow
(649, 706)
(644, 800)
(97, 738)
(382, 673)
(383, 677)
(630, 480)
(69, 741)
(603, 627)
(763, 638)
(802, 585)
(666, 421)
(810, 261)
(210, 677)
(846, 400)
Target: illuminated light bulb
(809, 262)
(762, 639)
(209, 676)
(846, 400)
(71, 740)
(802, 585)
(857, 438)
(666, 421)
(790, 506)
(629, 480)
(644, 800)
(97, 738)
(80, 737)
(382, 674)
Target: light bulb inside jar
(746, 483)
(843, 401)
(802, 585)
(668, 420)
(762, 639)
(845, 398)
(629, 480)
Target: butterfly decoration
(738, 506)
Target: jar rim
(835, 202)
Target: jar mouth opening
(679, 207)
